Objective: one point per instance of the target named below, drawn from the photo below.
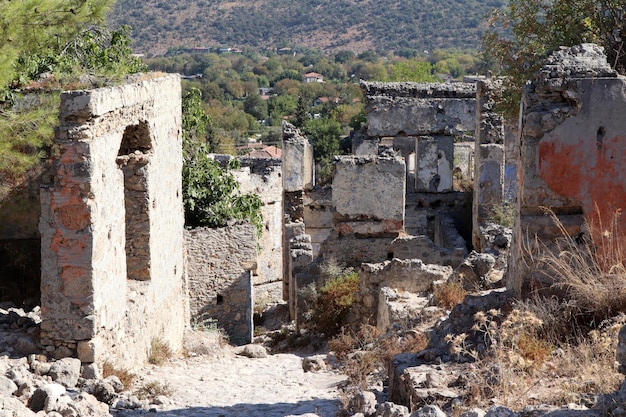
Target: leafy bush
(210, 193)
(333, 303)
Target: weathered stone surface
(219, 265)
(65, 371)
(253, 351)
(571, 140)
(369, 187)
(410, 275)
(7, 386)
(428, 411)
(263, 177)
(112, 215)
(297, 160)
(620, 355)
(419, 109)
(46, 394)
(389, 409)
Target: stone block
(414, 109)
(435, 164)
(371, 188)
(297, 160)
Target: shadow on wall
(20, 243)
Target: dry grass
(367, 353)
(153, 389)
(519, 366)
(449, 294)
(160, 352)
(124, 375)
(588, 268)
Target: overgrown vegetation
(571, 336)
(153, 389)
(47, 45)
(520, 36)
(334, 301)
(210, 193)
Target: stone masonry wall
(219, 265)
(410, 275)
(425, 120)
(99, 226)
(489, 159)
(263, 177)
(573, 145)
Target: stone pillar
(298, 176)
(572, 153)
(489, 159)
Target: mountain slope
(323, 24)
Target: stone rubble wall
(263, 177)
(401, 275)
(89, 305)
(571, 144)
(424, 122)
(414, 109)
(219, 265)
(489, 159)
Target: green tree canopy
(41, 28)
(520, 36)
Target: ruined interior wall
(410, 275)
(263, 177)
(318, 216)
(219, 265)
(490, 159)
(415, 109)
(88, 304)
(572, 144)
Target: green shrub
(333, 303)
(211, 194)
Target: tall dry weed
(588, 268)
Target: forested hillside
(356, 25)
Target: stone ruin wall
(220, 262)
(263, 177)
(112, 224)
(572, 145)
(489, 160)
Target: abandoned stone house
(104, 225)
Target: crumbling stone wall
(371, 303)
(489, 159)
(298, 177)
(263, 177)
(220, 262)
(112, 224)
(424, 119)
(572, 144)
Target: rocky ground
(216, 379)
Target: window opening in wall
(219, 299)
(133, 158)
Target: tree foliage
(210, 194)
(522, 35)
(33, 31)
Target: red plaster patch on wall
(74, 216)
(76, 282)
(591, 170)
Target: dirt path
(231, 385)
